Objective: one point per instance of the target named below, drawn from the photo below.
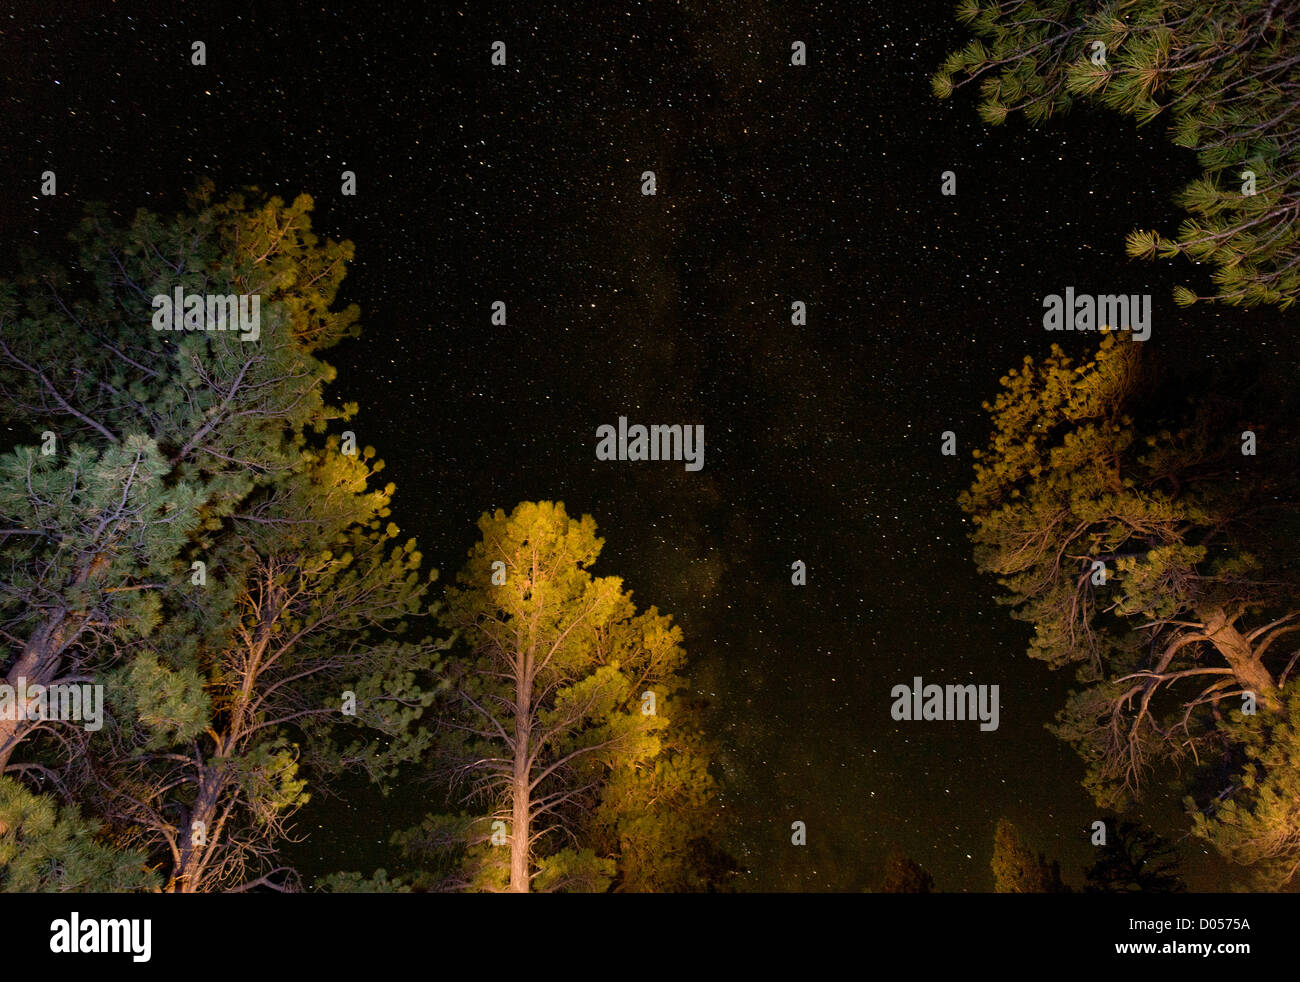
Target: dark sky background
(775, 183)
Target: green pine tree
(1221, 75)
(48, 849)
(191, 544)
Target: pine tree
(1224, 77)
(565, 729)
(190, 546)
(1153, 556)
(298, 637)
(905, 875)
(48, 849)
(1017, 868)
(1134, 859)
(159, 434)
(1254, 819)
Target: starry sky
(775, 183)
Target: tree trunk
(1236, 651)
(519, 834)
(188, 875)
(39, 665)
(42, 658)
(520, 830)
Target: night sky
(775, 183)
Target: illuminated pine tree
(1123, 522)
(298, 640)
(564, 729)
(1254, 818)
